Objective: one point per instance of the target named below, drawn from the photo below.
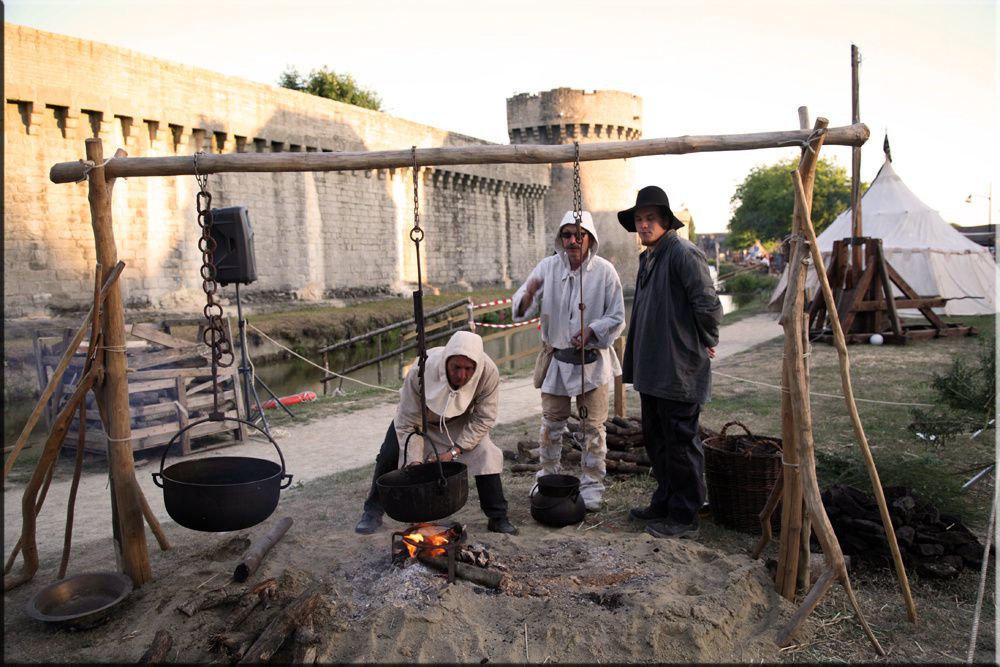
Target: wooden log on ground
(212, 598)
(255, 554)
(288, 620)
(526, 467)
(477, 575)
(159, 649)
(72, 172)
(261, 593)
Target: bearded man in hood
(462, 391)
(553, 290)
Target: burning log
(158, 650)
(483, 577)
(292, 617)
(255, 554)
(261, 593)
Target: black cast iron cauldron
(223, 493)
(424, 492)
(556, 501)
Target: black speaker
(234, 258)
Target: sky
(928, 72)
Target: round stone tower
(562, 116)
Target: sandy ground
(580, 595)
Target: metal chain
(417, 235)
(215, 334)
(578, 216)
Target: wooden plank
(182, 415)
(151, 359)
(926, 302)
(170, 373)
(912, 293)
(149, 332)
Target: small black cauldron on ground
(556, 501)
(222, 493)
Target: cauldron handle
(442, 480)
(157, 476)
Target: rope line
(815, 393)
(325, 370)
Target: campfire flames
(425, 535)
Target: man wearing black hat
(671, 339)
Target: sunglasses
(570, 235)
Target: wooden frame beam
(122, 167)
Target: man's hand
(445, 457)
(579, 342)
(530, 288)
(711, 352)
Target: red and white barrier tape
(486, 325)
(495, 302)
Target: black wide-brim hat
(649, 196)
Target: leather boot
(493, 504)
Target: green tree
(327, 83)
(763, 202)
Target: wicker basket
(740, 471)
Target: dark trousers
(491, 498)
(670, 434)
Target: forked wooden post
(795, 364)
(859, 432)
(112, 394)
(790, 547)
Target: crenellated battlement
(565, 115)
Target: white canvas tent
(932, 256)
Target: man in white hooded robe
(552, 291)
(462, 391)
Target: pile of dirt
(576, 595)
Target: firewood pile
(626, 451)
(935, 544)
(626, 454)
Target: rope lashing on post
(89, 166)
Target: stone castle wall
(316, 235)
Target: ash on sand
(584, 596)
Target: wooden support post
(859, 432)
(855, 171)
(791, 514)
(112, 395)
